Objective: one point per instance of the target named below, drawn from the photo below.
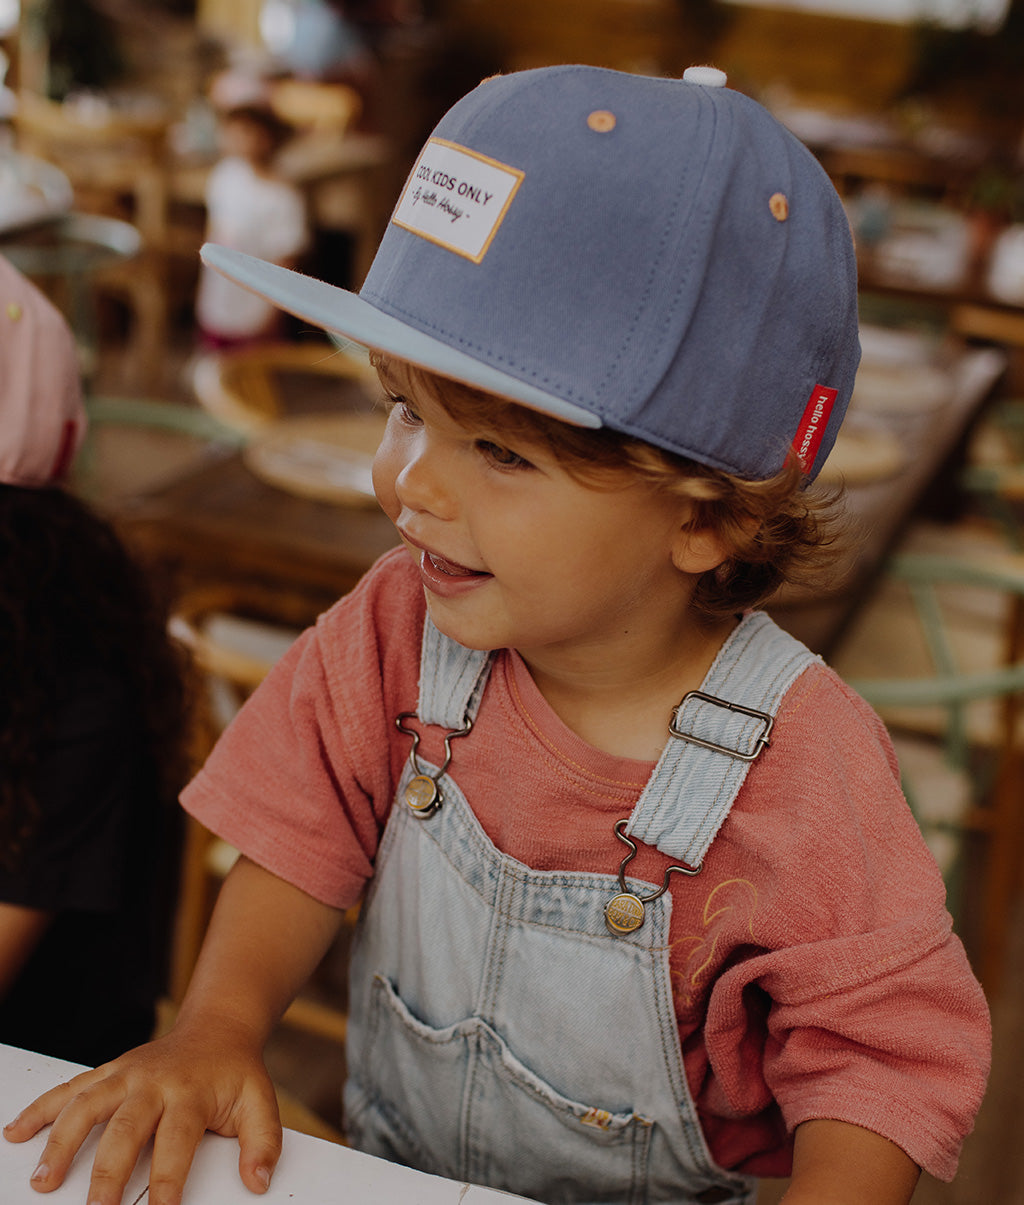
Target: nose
(412, 470)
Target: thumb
(259, 1140)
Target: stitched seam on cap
(684, 277)
(452, 339)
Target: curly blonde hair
(778, 532)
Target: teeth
(448, 567)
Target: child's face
(246, 139)
(514, 552)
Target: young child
(645, 914)
(252, 208)
(92, 726)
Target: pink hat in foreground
(42, 418)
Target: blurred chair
(989, 323)
(939, 653)
(235, 635)
(69, 257)
(315, 105)
(344, 172)
(117, 164)
(994, 474)
(247, 388)
(111, 157)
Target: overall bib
(502, 1031)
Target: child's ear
(699, 550)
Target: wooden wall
(854, 64)
(235, 20)
(838, 61)
(843, 62)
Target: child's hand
(264, 941)
(175, 1088)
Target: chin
(461, 633)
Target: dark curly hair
(779, 533)
(68, 584)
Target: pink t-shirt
(814, 967)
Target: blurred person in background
(92, 723)
(251, 207)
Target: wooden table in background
(219, 524)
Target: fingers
(126, 1133)
(44, 1109)
(177, 1139)
(153, 1092)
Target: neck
(619, 697)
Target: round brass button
(624, 913)
(422, 795)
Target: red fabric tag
(813, 424)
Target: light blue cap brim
(345, 314)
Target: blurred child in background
(252, 208)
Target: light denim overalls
(501, 1031)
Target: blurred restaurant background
(236, 467)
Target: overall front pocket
(458, 1102)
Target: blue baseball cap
(658, 256)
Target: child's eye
(406, 413)
(500, 457)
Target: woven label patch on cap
(456, 198)
(812, 425)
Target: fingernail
(263, 1175)
(12, 1123)
(41, 1172)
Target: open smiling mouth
(448, 568)
(448, 577)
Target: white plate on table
(328, 457)
(864, 452)
(894, 388)
(895, 345)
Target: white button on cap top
(709, 77)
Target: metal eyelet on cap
(601, 121)
(778, 203)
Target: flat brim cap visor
(351, 319)
(634, 271)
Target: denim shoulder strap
(715, 735)
(452, 679)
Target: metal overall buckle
(760, 744)
(422, 791)
(624, 913)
